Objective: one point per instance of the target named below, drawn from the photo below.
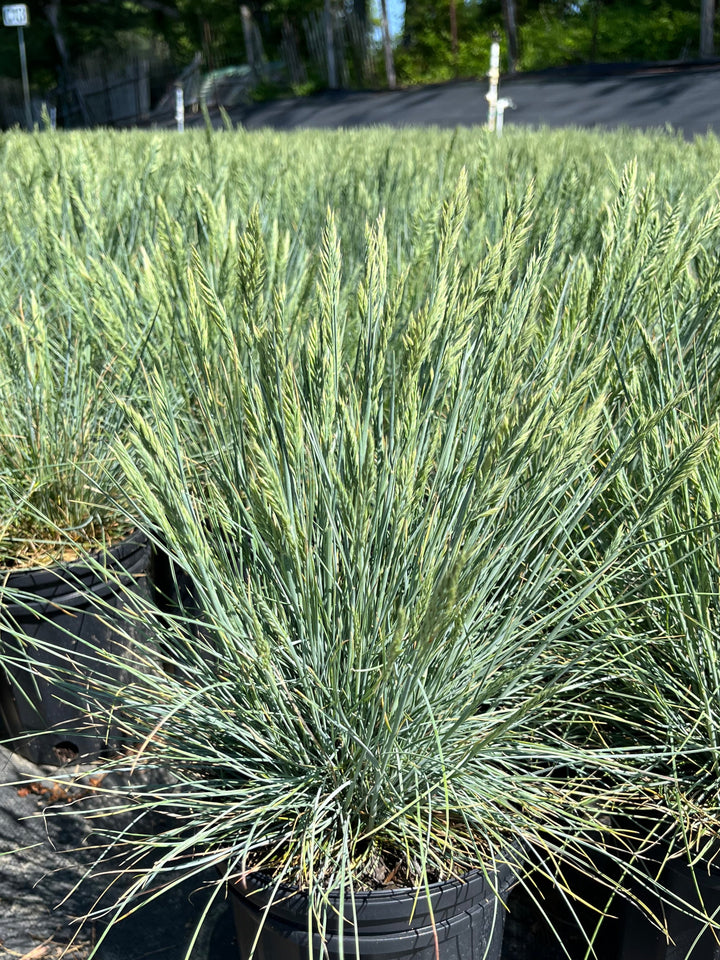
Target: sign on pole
(16, 15)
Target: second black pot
(70, 608)
(689, 938)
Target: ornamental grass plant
(662, 613)
(60, 388)
(389, 663)
(666, 615)
(59, 412)
(437, 483)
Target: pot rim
(504, 873)
(26, 590)
(117, 551)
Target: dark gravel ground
(648, 96)
(42, 858)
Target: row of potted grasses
(85, 216)
(444, 498)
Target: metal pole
(25, 82)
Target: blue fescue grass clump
(432, 440)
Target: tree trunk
(247, 24)
(208, 45)
(387, 46)
(595, 24)
(454, 36)
(52, 14)
(360, 11)
(508, 9)
(707, 27)
(330, 46)
(298, 74)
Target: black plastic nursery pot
(461, 920)
(543, 923)
(68, 607)
(689, 938)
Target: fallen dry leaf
(51, 950)
(57, 792)
(42, 950)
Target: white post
(494, 76)
(502, 105)
(53, 118)
(179, 108)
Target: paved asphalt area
(686, 97)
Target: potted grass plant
(380, 703)
(57, 420)
(669, 638)
(664, 503)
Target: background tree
(387, 46)
(508, 9)
(707, 28)
(441, 39)
(548, 33)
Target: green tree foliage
(426, 47)
(82, 27)
(61, 31)
(608, 31)
(552, 33)
(205, 25)
(41, 51)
